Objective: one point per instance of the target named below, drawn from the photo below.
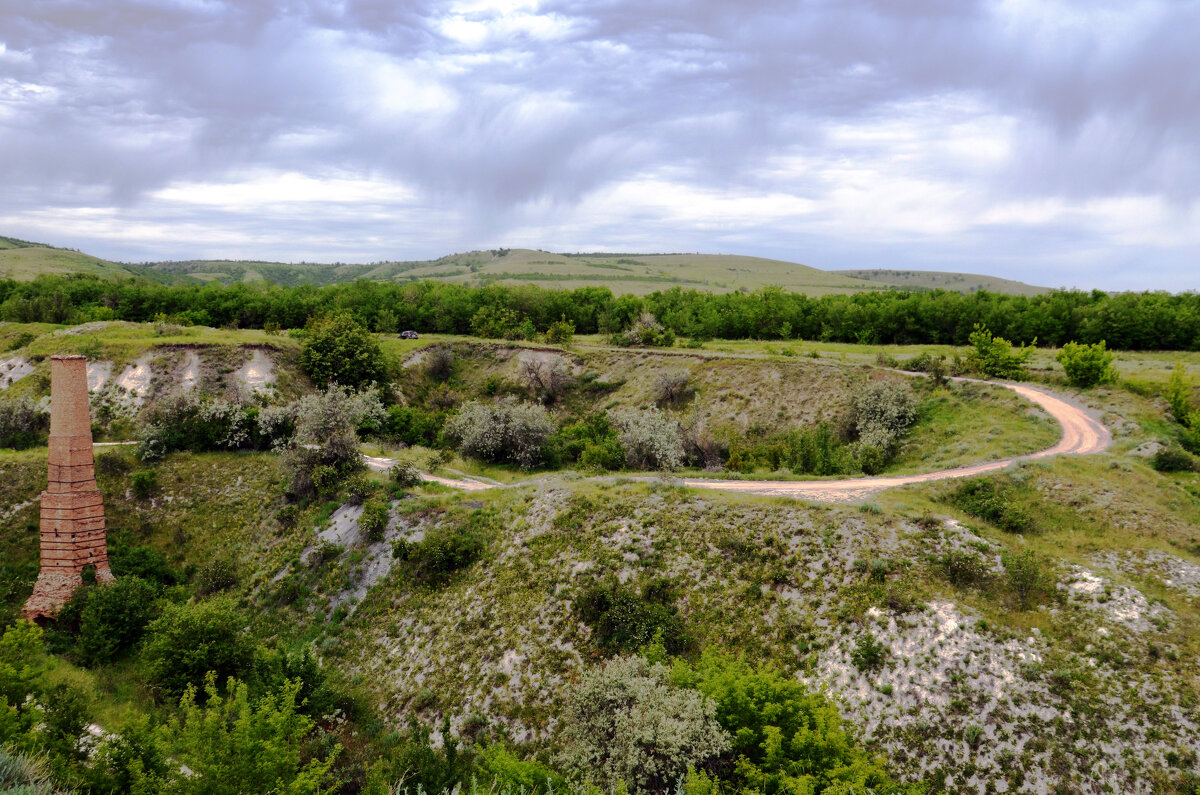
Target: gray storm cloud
(1048, 140)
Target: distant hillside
(929, 280)
(622, 273)
(24, 262)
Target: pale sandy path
(1081, 435)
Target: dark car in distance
(409, 335)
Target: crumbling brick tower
(73, 532)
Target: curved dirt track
(1082, 435)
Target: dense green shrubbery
(188, 641)
(144, 482)
(110, 618)
(592, 442)
(22, 424)
(786, 739)
(623, 619)
(339, 350)
(1087, 365)
(1029, 577)
(1174, 459)
(412, 426)
(808, 451)
(447, 548)
(995, 357)
(993, 502)
(144, 562)
(374, 519)
(1138, 321)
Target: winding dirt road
(1081, 435)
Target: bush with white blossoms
(652, 439)
(506, 431)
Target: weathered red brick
(73, 534)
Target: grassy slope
(958, 282)
(775, 579)
(640, 273)
(27, 262)
(622, 273)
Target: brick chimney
(72, 522)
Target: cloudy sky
(1053, 142)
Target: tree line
(1126, 321)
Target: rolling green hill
(26, 261)
(622, 273)
(929, 280)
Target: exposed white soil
(1118, 604)
(191, 372)
(98, 374)
(1168, 570)
(990, 699)
(376, 560)
(86, 328)
(13, 370)
(135, 379)
(13, 510)
(258, 373)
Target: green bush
(1173, 459)
(868, 653)
(374, 519)
(232, 744)
(113, 618)
(144, 483)
(1189, 435)
(1179, 394)
(497, 322)
(626, 728)
(339, 350)
(510, 774)
(446, 549)
(1029, 577)
(591, 441)
(144, 562)
(560, 332)
(786, 739)
(1087, 365)
(187, 641)
(405, 475)
(412, 426)
(963, 568)
(624, 620)
(218, 574)
(22, 424)
(807, 451)
(994, 357)
(993, 502)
